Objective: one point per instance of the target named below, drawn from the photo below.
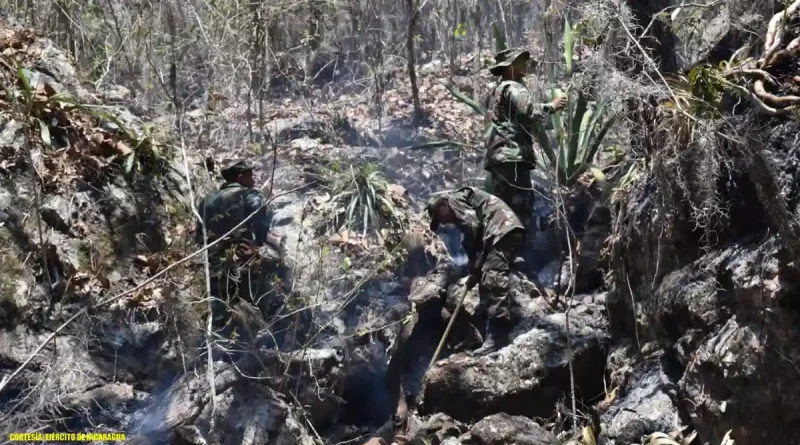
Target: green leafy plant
(460, 31)
(700, 92)
(695, 100)
(361, 192)
(463, 98)
(26, 105)
(578, 130)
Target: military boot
(487, 346)
(497, 335)
(502, 332)
(488, 342)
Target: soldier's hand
(559, 103)
(472, 281)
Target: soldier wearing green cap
(492, 236)
(234, 201)
(232, 259)
(511, 112)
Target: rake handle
(449, 326)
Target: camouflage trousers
(241, 278)
(511, 182)
(495, 280)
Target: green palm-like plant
(578, 131)
(361, 192)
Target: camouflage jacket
(483, 219)
(224, 209)
(511, 113)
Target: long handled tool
(449, 326)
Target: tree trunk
(413, 12)
(452, 22)
(478, 41)
(315, 17)
(355, 26)
(503, 23)
(256, 80)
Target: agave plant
(361, 192)
(578, 131)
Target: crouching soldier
(236, 262)
(493, 237)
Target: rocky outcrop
(114, 211)
(500, 429)
(694, 328)
(92, 208)
(527, 377)
(645, 399)
(715, 300)
(244, 412)
(683, 35)
(712, 33)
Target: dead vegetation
(685, 143)
(72, 139)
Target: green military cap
(235, 168)
(505, 58)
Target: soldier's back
(507, 139)
(223, 209)
(496, 216)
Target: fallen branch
(449, 327)
(764, 107)
(772, 99)
(752, 72)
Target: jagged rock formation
(502, 428)
(649, 396)
(686, 35)
(529, 376)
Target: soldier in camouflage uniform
(233, 258)
(492, 236)
(511, 114)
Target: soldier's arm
(472, 245)
(525, 106)
(261, 221)
(472, 240)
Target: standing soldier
(231, 259)
(512, 112)
(492, 236)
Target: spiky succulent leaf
(500, 43)
(463, 98)
(569, 46)
(576, 123)
(598, 139)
